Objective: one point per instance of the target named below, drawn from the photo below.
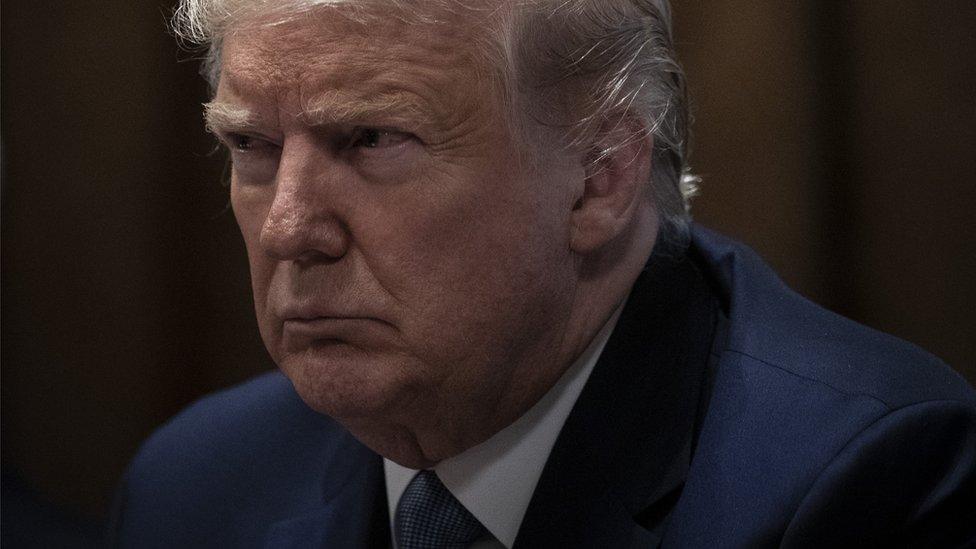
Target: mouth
(301, 333)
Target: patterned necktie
(429, 517)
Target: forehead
(327, 49)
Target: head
(442, 202)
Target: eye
(377, 138)
(254, 158)
(243, 143)
(240, 143)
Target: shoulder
(907, 478)
(816, 422)
(238, 423)
(232, 462)
(773, 329)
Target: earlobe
(615, 186)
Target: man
(495, 326)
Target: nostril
(330, 237)
(315, 257)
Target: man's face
(407, 265)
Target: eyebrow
(227, 116)
(330, 108)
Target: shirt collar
(495, 479)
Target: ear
(613, 190)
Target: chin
(348, 386)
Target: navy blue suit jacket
(725, 411)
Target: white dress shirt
(495, 479)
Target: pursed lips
(305, 329)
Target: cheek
(464, 259)
(506, 232)
(250, 206)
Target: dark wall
(837, 140)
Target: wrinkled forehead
(358, 41)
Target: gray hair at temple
(604, 61)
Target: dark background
(837, 138)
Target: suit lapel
(620, 461)
(352, 512)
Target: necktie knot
(428, 516)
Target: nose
(303, 222)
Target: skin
(420, 273)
